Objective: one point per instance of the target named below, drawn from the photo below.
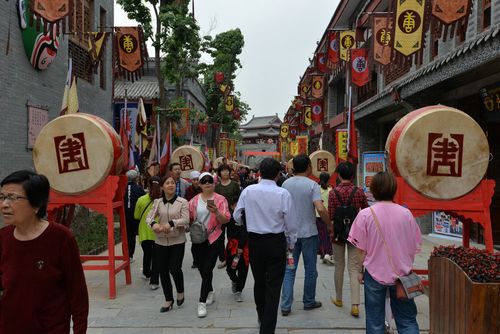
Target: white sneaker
(154, 286)
(202, 310)
(210, 298)
(238, 297)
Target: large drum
(232, 164)
(77, 152)
(440, 151)
(289, 166)
(190, 159)
(322, 161)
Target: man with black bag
(344, 203)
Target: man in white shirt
(306, 199)
(272, 228)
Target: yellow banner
(409, 26)
(347, 42)
(232, 148)
(284, 130)
(308, 115)
(223, 146)
(341, 145)
(294, 148)
(230, 103)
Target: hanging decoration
(451, 16)
(40, 45)
(229, 103)
(294, 130)
(96, 43)
(219, 77)
(317, 110)
(321, 62)
(236, 114)
(302, 144)
(360, 70)
(284, 130)
(333, 47)
(382, 27)
(308, 115)
(49, 12)
(347, 42)
(317, 86)
(409, 27)
(132, 52)
(297, 103)
(305, 89)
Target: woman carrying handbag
(388, 237)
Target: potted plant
(464, 291)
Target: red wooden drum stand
(472, 207)
(106, 199)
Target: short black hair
(345, 170)
(269, 168)
(324, 177)
(383, 186)
(36, 186)
(172, 165)
(223, 167)
(300, 163)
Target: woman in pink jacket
(211, 210)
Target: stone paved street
(136, 308)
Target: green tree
(175, 37)
(224, 50)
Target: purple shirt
(401, 234)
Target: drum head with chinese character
(190, 159)
(76, 152)
(322, 161)
(441, 152)
(289, 166)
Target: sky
(280, 37)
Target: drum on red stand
(190, 158)
(77, 152)
(322, 161)
(441, 152)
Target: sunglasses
(207, 181)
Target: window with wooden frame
(485, 15)
(80, 22)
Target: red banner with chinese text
(360, 71)
(317, 86)
(302, 144)
(131, 51)
(317, 110)
(333, 47)
(383, 38)
(321, 62)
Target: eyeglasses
(205, 181)
(11, 197)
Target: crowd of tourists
(269, 220)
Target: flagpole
(158, 138)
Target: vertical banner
(373, 162)
(293, 132)
(317, 110)
(333, 47)
(230, 103)
(321, 62)
(317, 86)
(409, 26)
(347, 42)
(308, 115)
(302, 144)
(360, 70)
(284, 131)
(305, 89)
(451, 13)
(294, 148)
(382, 42)
(131, 50)
(222, 149)
(341, 145)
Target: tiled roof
(269, 132)
(262, 122)
(146, 89)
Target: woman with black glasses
(209, 210)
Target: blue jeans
(309, 249)
(404, 311)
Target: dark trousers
(238, 275)
(205, 258)
(169, 262)
(149, 261)
(131, 233)
(268, 261)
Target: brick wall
(21, 84)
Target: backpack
(344, 217)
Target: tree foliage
(224, 50)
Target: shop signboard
(445, 224)
(373, 162)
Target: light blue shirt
(304, 192)
(268, 209)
